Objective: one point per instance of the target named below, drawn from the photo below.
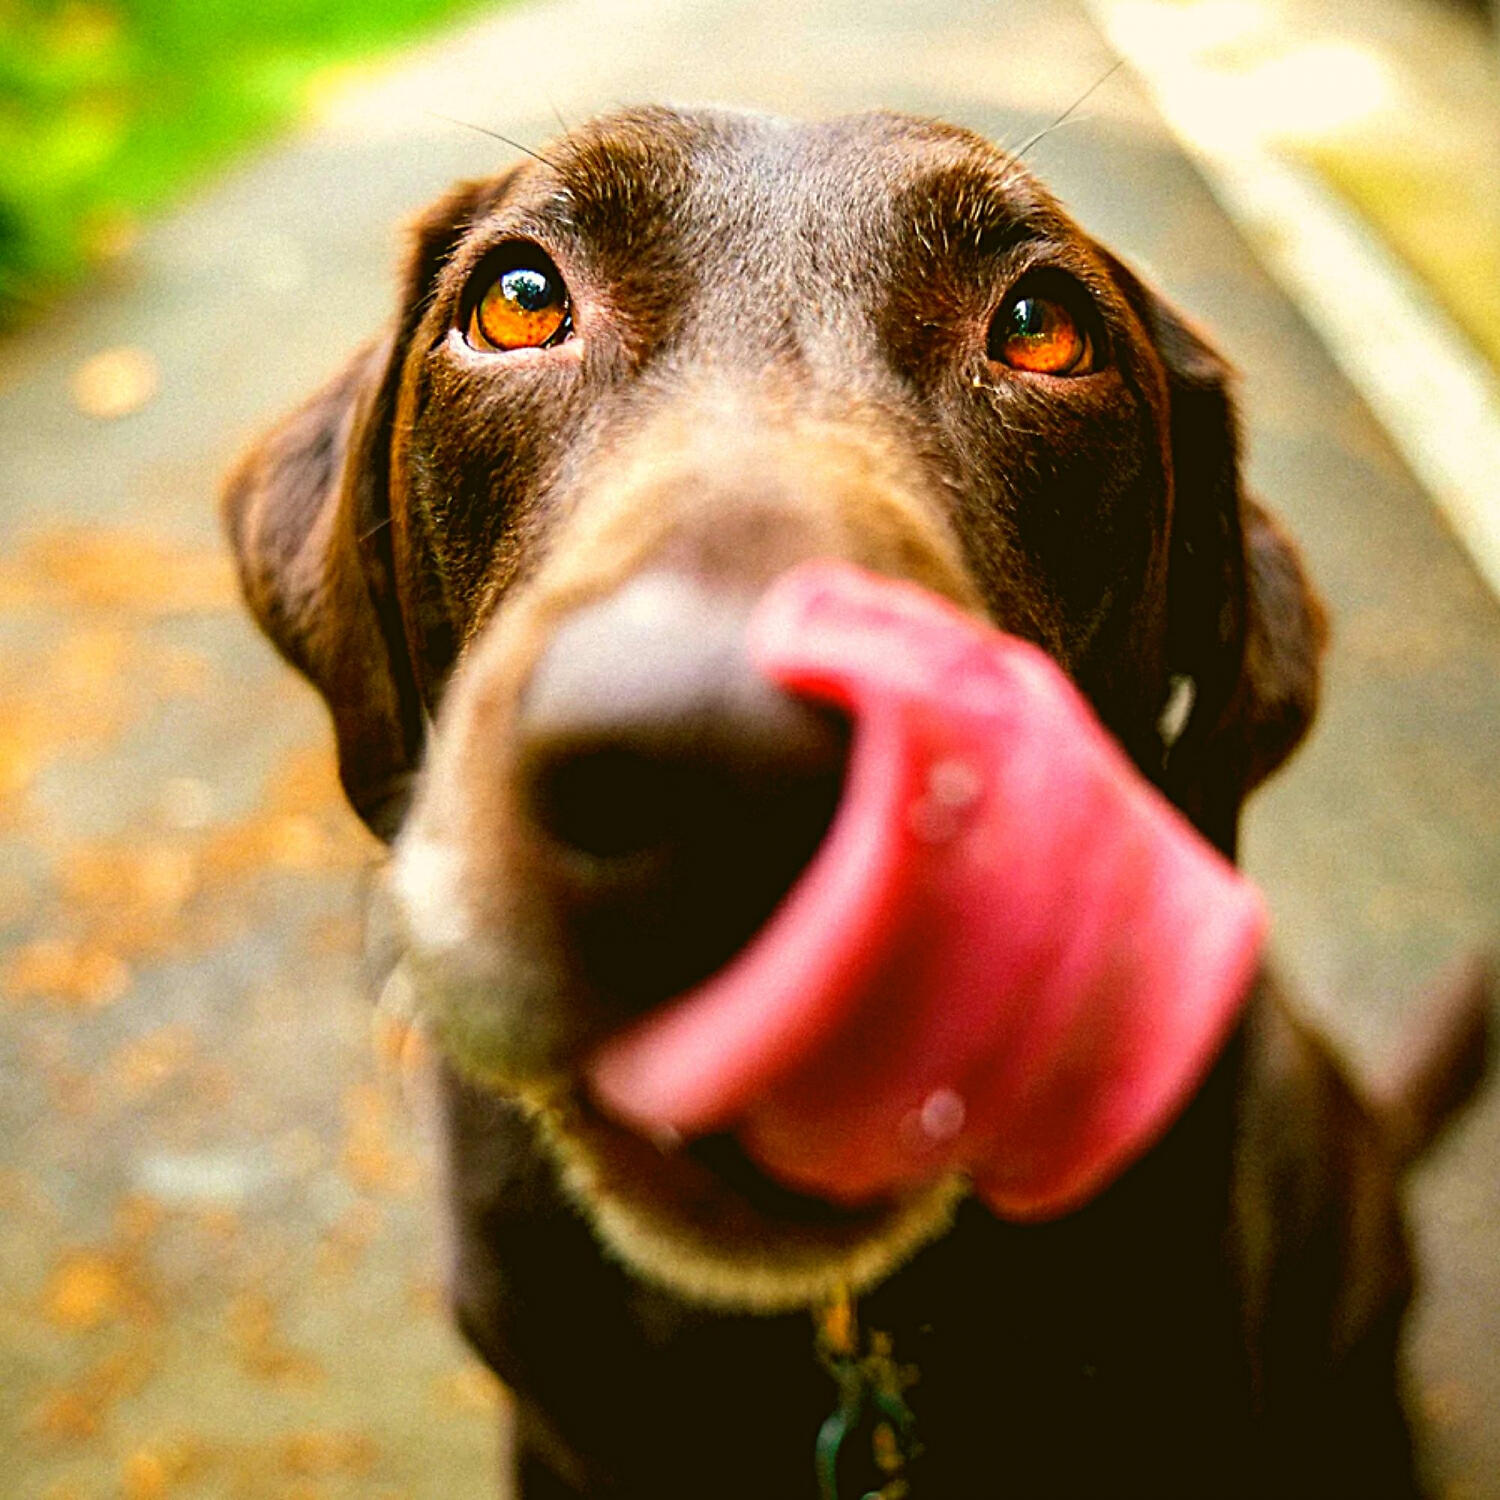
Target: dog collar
(866, 1446)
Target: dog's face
(632, 381)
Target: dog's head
(630, 382)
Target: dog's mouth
(722, 1173)
(1008, 959)
(684, 1135)
(702, 1218)
(818, 1049)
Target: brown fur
(779, 353)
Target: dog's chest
(1036, 1361)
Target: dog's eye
(1038, 333)
(524, 307)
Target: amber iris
(524, 308)
(1040, 336)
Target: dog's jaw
(668, 1216)
(677, 1222)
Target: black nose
(675, 794)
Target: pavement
(1395, 106)
(217, 1258)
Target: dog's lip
(723, 1156)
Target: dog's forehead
(717, 173)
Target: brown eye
(1040, 336)
(525, 307)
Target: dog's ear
(1245, 630)
(308, 516)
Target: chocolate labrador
(630, 382)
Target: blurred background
(112, 110)
(219, 1269)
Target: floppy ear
(308, 516)
(1245, 626)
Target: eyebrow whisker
(1019, 153)
(496, 135)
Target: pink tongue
(1011, 955)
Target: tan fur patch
(739, 1260)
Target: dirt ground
(219, 1271)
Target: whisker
(1019, 153)
(496, 135)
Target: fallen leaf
(122, 569)
(368, 1157)
(86, 1290)
(262, 1349)
(129, 897)
(473, 1388)
(137, 1219)
(320, 1454)
(290, 841)
(23, 752)
(145, 1064)
(68, 1415)
(152, 1472)
(145, 1476)
(70, 700)
(116, 383)
(344, 1245)
(67, 973)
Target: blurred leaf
(115, 384)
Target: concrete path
(216, 1258)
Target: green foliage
(109, 107)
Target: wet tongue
(1011, 956)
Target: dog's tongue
(1011, 956)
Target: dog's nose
(675, 794)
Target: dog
(632, 381)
